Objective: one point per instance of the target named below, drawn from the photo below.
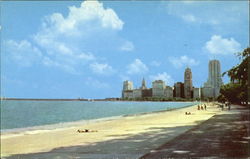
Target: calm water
(22, 114)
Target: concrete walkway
(226, 135)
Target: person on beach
(198, 107)
(205, 106)
(201, 107)
(85, 131)
(188, 113)
(229, 106)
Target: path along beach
(125, 137)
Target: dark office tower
(188, 85)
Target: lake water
(23, 114)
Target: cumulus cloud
(127, 46)
(69, 41)
(22, 52)
(137, 67)
(178, 62)
(46, 61)
(162, 76)
(89, 13)
(100, 68)
(224, 46)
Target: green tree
(237, 90)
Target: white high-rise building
(196, 93)
(214, 82)
(127, 85)
(158, 88)
(127, 91)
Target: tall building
(196, 93)
(214, 82)
(188, 85)
(145, 92)
(128, 85)
(179, 90)
(127, 91)
(137, 93)
(158, 88)
(168, 92)
(143, 84)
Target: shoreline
(40, 141)
(78, 122)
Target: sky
(86, 49)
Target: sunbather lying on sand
(86, 131)
(188, 113)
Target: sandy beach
(147, 131)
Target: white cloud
(219, 45)
(162, 76)
(155, 63)
(99, 68)
(94, 83)
(137, 67)
(178, 62)
(89, 13)
(69, 40)
(127, 46)
(46, 61)
(22, 52)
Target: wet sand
(125, 136)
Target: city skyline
(181, 89)
(87, 49)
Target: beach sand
(132, 135)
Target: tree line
(237, 90)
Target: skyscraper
(143, 84)
(158, 88)
(127, 85)
(188, 85)
(179, 90)
(214, 82)
(127, 91)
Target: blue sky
(87, 49)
